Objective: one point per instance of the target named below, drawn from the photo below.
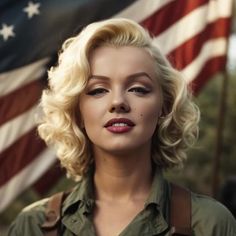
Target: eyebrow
(132, 76)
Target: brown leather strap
(53, 215)
(180, 216)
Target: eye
(139, 90)
(97, 92)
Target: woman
(118, 114)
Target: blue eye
(139, 90)
(97, 91)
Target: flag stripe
(140, 10)
(17, 78)
(30, 94)
(17, 127)
(26, 177)
(211, 66)
(158, 22)
(49, 178)
(19, 155)
(185, 54)
(211, 48)
(186, 28)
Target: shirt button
(74, 220)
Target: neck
(122, 177)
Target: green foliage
(197, 173)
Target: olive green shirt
(209, 217)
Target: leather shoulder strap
(53, 215)
(180, 211)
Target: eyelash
(97, 91)
(138, 90)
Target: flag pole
(220, 128)
(219, 136)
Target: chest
(112, 219)
(118, 221)
(123, 220)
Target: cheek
(150, 120)
(85, 113)
(87, 116)
(150, 113)
(85, 107)
(92, 113)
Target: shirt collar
(83, 193)
(159, 192)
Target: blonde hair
(60, 124)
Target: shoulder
(29, 219)
(209, 217)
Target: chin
(127, 150)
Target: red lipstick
(119, 125)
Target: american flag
(192, 33)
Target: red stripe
(49, 179)
(170, 14)
(19, 101)
(19, 155)
(211, 67)
(186, 53)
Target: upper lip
(119, 120)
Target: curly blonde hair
(60, 125)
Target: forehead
(107, 60)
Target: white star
(32, 9)
(7, 31)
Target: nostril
(123, 108)
(112, 109)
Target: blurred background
(199, 38)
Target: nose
(119, 104)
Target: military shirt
(209, 217)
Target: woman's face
(122, 101)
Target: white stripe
(142, 9)
(24, 179)
(15, 128)
(14, 79)
(190, 25)
(219, 8)
(212, 48)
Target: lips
(119, 122)
(119, 125)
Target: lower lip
(119, 129)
